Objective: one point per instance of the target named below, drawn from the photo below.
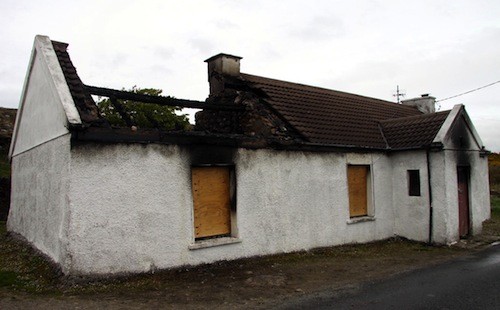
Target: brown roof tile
(413, 131)
(328, 116)
(84, 103)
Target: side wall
(445, 193)
(39, 200)
(132, 211)
(41, 116)
(460, 149)
(40, 155)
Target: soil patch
(29, 281)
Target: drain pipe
(430, 193)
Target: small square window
(414, 182)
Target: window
(358, 177)
(414, 182)
(213, 201)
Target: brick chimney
(221, 65)
(425, 104)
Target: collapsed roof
(243, 106)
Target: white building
(299, 167)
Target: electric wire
(468, 92)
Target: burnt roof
(333, 117)
(413, 131)
(320, 116)
(84, 103)
(328, 116)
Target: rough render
(411, 212)
(40, 154)
(131, 206)
(460, 148)
(39, 200)
(43, 117)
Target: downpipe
(430, 195)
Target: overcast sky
(365, 47)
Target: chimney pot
(221, 64)
(425, 103)
(224, 64)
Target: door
(463, 201)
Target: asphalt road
(471, 282)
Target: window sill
(213, 242)
(360, 219)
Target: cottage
(270, 167)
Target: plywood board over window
(212, 201)
(358, 189)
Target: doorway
(463, 201)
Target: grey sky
(365, 47)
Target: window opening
(414, 182)
(358, 180)
(213, 189)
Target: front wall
(132, 211)
(411, 212)
(39, 199)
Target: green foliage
(144, 115)
(495, 206)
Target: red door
(463, 201)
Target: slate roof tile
(84, 103)
(413, 131)
(328, 116)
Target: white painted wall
(39, 199)
(46, 105)
(131, 206)
(411, 212)
(40, 154)
(445, 192)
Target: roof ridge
(324, 89)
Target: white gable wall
(39, 153)
(461, 148)
(46, 104)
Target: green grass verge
(495, 206)
(22, 268)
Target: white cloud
(362, 46)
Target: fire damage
(237, 115)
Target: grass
(22, 268)
(495, 206)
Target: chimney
(221, 65)
(425, 104)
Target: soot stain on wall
(462, 142)
(211, 155)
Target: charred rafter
(160, 100)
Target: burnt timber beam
(121, 110)
(160, 100)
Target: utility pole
(398, 94)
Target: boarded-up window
(211, 201)
(358, 190)
(414, 182)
